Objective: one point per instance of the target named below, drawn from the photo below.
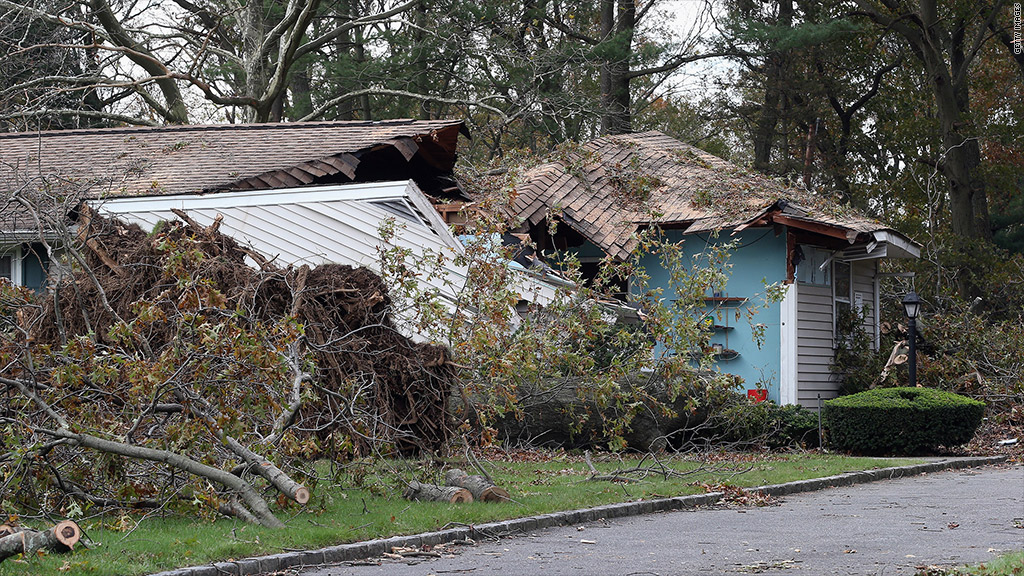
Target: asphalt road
(883, 528)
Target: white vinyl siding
(815, 311)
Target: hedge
(900, 420)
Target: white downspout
(788, 373)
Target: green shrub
(796, 425)
(900, 420)
(768, 425)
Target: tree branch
(175, 113)
(334, 34)
(388, 92)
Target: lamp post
(912, 307)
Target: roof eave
(899, 246)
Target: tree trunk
(246, 492)
(939, 44)
(776, 67)
(254, 64)
(174, 111)
(433, 493)
(481, 488)
(61, 538)
(360, 58)
(617, 31)
(302, 93)
(961, 153)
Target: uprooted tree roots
(181, 365)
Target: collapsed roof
(609, 188)
(167, 160)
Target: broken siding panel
(814, 344)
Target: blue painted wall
(759, 257)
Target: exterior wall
(816, 306)
(865, 292)
(814, 344)
(804, 323)
(760, 258)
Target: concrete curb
(371, 548)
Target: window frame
(837, 299)
(14, 253)
(811, 265)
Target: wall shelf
(727, 354)
(717, 303)
(724, 300)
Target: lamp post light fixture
(912, 307)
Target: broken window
(815, 266)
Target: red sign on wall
(757, 395)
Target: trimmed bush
(900, 420)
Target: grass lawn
(364, 500)
(1006, 565)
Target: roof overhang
(884, 244)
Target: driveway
(884, 528)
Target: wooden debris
(433, 493)
(61, 538)
(480, 487)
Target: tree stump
(480, 487)
(433, 493)
(61, 538)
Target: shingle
(193, 159)
(695, 187)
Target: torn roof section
(195, 159)
(609, 188)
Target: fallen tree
(180, 366)
(433, 493)
(481, 487)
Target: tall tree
(169, 58)
(947, 39)
(24, 72)
(627, 46)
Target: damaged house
(602, 194)
(293, 209)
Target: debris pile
(367, 375)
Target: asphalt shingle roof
(610, 187)
(206, 158)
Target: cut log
(61, 538)
(433, 493)
(481, 488)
